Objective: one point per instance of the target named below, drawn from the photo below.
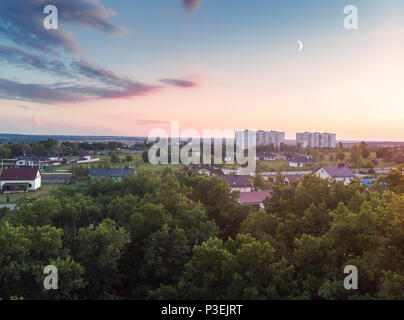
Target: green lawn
(43, 191)
(137, 163)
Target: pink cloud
(37, 122)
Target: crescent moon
(300, 45)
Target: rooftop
(340, 171)
(237, 181)
(18, 174)
(253, 197)
(111, 172)
(305, 159)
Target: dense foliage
(51, 147)
(174, 235)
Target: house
(20, 179)
(32, 161)
(116, 174)
(265, 156)
(300, 161)
(291, 178)
(238, 183)
(287, 155)
(255, 198)
(84, 156)
(210, 171)
(87, 159)
(335, 173)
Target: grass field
(274, 166)
(43, 191)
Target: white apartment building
(247, 138)
(316, 139)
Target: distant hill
(9, 137)
(6, 137)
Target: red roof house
(256, 198)
(20, 179)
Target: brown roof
(237, 181)
(17, 174)
(253, 197)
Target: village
(30, 176)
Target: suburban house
(210, 171)
(300, 161)
(291, 178)
(116, 174)
(20, 179)
(335, 173)
(32, 161)
(287, 155)
(255, 198)
(238, 183)
(266, 156)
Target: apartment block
(316, 139)
(247, 138)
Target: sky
(130, 66)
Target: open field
(43, 191)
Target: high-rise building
(246, 138)
(316, 140)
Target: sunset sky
(126, 67)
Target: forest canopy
(174, 235)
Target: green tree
(259, 181)
(114, 157)
(99, 251)
(340, 156)
(355, 156)
(145, 156)
(364, 150)
(4, 152)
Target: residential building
(32, 161)
(247, 138)
(335, 173)
(287, 155)
(316, 140)
(255, 198)
(267, 156)
(238, 183)
(116, 174)
(300, 161)
(20, 180)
